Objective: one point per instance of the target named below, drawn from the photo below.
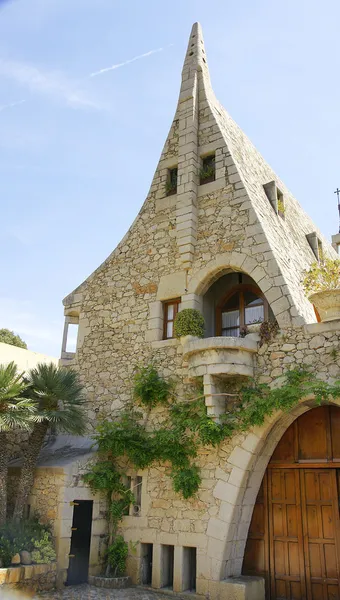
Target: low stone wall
(29, 577)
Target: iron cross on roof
(337, 192)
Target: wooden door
(320, 514)
(287, 572)
(293, 539)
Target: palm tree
(59, 396)
(16, 412)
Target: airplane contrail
(126, 62)
(11, 105)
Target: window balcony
(227, 356)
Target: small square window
(207, 172)
(316, 245)
(275, 197)
(171, 182)
(171, 309)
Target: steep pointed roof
(276, 246)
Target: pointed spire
(195, 61)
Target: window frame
(172, 178)
(239, 289)
(175, 303)
(207, 157)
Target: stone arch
(238, 492)
(241, 262)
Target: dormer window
(207, 172)
(275, 197)
(315, 244)
(171, 182)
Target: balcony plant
(207, 173)
(321, 283)
(189, 322)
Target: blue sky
(77, 153)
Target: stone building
(219, 232)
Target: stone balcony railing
(220, 355)
(217, 359)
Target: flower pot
(254, 327)
(327, 304)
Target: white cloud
(126, 62)
(48, 83)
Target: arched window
(243, 305)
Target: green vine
(186, 429)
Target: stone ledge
(164, 343)
(323, 327)
(212, 343)
(242, 588)
(40, 577)
(113, 583)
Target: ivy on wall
(186, 429)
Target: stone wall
(178, 246)
(28, 578)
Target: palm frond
(59, 396)
(16, 412)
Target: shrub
(43, 550)
(189, 322)
(117, 554)
(322, 276)
(15, 537)
(150, 388)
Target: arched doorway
(294, 536)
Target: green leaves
(15, 412)
(189, 321)
(117, 554)
(59, 397)
(322, 276)
(149, 388)
(9, 337)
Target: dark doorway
(189, 569)
(146, 573)
(167, 566)
(78, 569)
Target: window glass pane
(233, 302)
(170, 312)
(231, 332)
(230, 318)
(254, 313)
(169, 329)
(251, 299)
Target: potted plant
(321, 283)
(189, 322)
